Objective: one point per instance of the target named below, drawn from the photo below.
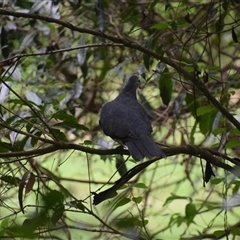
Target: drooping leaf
(30, 183)
(190, 213)
(234, 36)
(4, 42)
(57, 214)
(121, 166)
(165, 87)
(20, 190)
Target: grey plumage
(125, 120)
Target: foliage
(61, 61)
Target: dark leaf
(220, 24)
(121, 166)
(166, 87)
(234, 36)
(57, 214)
(122, 202)
(30, 183)
(4, 43)
(52, 199)
(137, 199)
(79, 205)
(208, 172)
(11, 180)
(146, 57)
(20, 190)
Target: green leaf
(216, 181)
(165, 87)
(137, 199)
(205, 109)
(190, 212)
(212, 67)
(192, 104)
(122, 202)
(59, 135)
(217, 131)
(11, 180)
(233, 143)
(5, 147)
(57, 214)
(162, 25)
(173, 197)
(236, 231)
(206, 122)
(140, 185)
(219, 233)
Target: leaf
(219, 233)
(137, 199)
(121, 166)
(122, 202)
(140, 185)
(59, 135)
(11, 180)
(233, 143)
(5, 147)
(57, 214)
(217, 131)
(205, 109)
(52, 199)
(162, 25)
(234, 36)
(190, 212)
(146, 57)
(235, 231)
(206, 122)
(30, 183)
(165, 87)
(78, 204)
(4, 43)
(212, 67)
(173, 197)
(219, 25)
(216, 181)
(20, 190)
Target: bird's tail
(144, 147)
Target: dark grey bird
(125, 120)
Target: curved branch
(171, 151)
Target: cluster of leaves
(61, 61)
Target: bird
(124, 120)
